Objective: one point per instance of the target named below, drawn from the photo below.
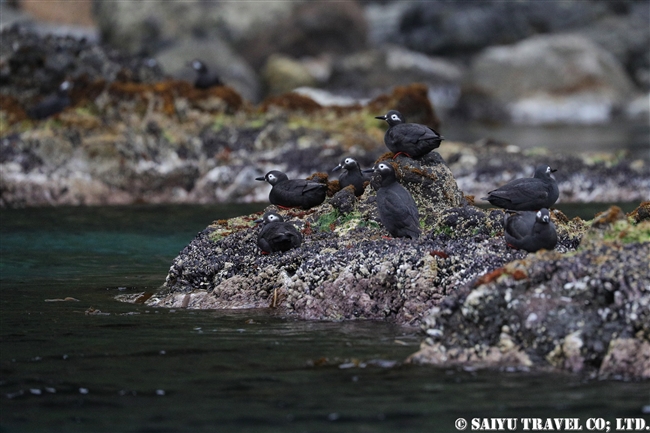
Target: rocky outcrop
(587, 312)
(584, 307)
(344, 269)
(126, 142)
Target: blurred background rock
(510, 84)
(527, 62)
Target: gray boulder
(562, 78)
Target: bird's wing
(313, 186)
(286, 232)
(518, 192)
(296, 187)
(519, 224)
(395, 204)
(411, 133)
(262, 242)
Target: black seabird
(52, 104)
(530, 231)
(529, 193)
(204, 79)
(351, 175)
(413, 139)
(293, 192)
(397, 209)
(276, 234)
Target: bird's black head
(347, 163)
(543, 171)
(273, 177)
(272, 217)
(386, 171)
(543, 216)
(393, 117)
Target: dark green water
(139, 369)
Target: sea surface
(73, 359)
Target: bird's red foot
(401, 153)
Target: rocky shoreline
(583, 307)
(166, 142)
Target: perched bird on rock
(52, 104)
(293, 192)
(276, 234)
(204, 79)
(412, 139)
(351, 175)
(530, 193)
(397, 209)
(530, 231)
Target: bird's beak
(260, 178)
(368, 170)
(257, 221)
(337, 168)
(553, 170)
(380, 117)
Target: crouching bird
(528, 193)
(290, 193)
(530, 231)
(276, 234)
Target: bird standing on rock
(293, 192)
(530, 193)
(397, 209)
(530, 231)
(276, 234)
(351, 175)
(412, 139)
(53, 104)
(204, 80)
